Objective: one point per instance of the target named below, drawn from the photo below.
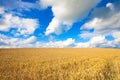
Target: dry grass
(59, 64)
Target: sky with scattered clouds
(59, 23)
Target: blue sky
(59, 23)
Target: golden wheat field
(60, 64)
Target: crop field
(60, 64)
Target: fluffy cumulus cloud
(56, 27)
(61, 44)
(110, 5)
(1, 10)
(9, 20)
(24, 26)
(94, 42)
(21, 26)
(103, 21)
(10, 42)
(66, 12)
(116, 35)
(18, 4)
(104, 26)
(97, 41)
(57, 44)
(108, 24)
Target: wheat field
(60, 64)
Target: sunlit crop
(59, 64)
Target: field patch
(60, 64)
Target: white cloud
(57, 44)
(56, 27)
(116, 35)
(87, 35)
(29, 42)
(105, 18)
(82, 45)
(45, 3)
(108, 24)
(24, 25)
(19, 5)
(1, 10)
(97, 41)
(65, 12)
(10, 42)
(7, 41)
(104, 25)
(61, 44)
(32, 39)
(110, 5)
(68, 11)
(117, 41)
